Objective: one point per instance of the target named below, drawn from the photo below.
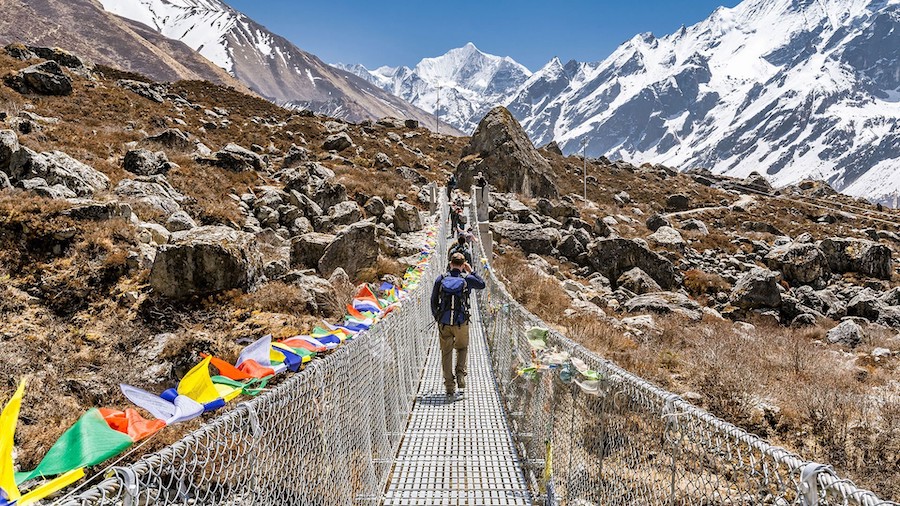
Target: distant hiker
(451, 185)
(454, 220)
(480, 181)
(461, 247)
(450, 309)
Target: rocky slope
(142, 224)
(461, 85)
(84, 27)
(266, 62)
(718, 288)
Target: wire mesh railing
(325, 436)
(610, 437)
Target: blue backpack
(453, 298)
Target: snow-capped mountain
(464, 83)
(791, 88)
(794, 89)
(83, 27)
(267, 63)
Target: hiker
(450, 308)
(480, 181)
(454, 220)
(451, 185)
(461, 247)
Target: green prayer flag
(88, 442)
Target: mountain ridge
(267, 63)
(795, 89)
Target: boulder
(891, 297)
(374, 206)
(638, 281)
(154, 191)
(865, 304)
(204, 261)
(501, 150)
(667, 237)
(857, 255)
(238, 159)
(656, 221)
(354, 249)
(99, 211)
(337, 142)
(665, 303)
(322, 297)
(179, 221)
(406, 218)
(553, 147)
(799, 263)
(171, 138)
(571, 248)
(694, 225)
(4, 181)
(758, 182)
(295, 156)
(328, 194)
(307, 249)
(9, 147)
(531, 238)
(847, 333)
(412, 175)
(678, 202)
(19, 51)
(39, 186)
(804, 320)
(345, 213)
(45, 78)
(382, 161)
(757, 289)
(59, 168)
(613, 257)
(411, 123)
(144, 162)
(147, 90)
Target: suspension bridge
(370, 424)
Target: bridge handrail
(707, 460)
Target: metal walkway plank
(458, 451)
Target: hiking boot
(461, 382)
(451, 392)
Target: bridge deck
(458, 451)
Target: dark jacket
(464, 251)
(473, 282)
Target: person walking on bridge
(450, 308)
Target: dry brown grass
(276, 297)
(780, 383)
(698, 283)
(540, 294)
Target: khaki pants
(454, 337)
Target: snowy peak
(462, 85)
(267, 63)
(469, 68)
(793, 89)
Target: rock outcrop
(354, 249)
(613, 257)
(757, 289)
(857, 255)
(502, 151)
(204, 261)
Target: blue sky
(401, 32)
